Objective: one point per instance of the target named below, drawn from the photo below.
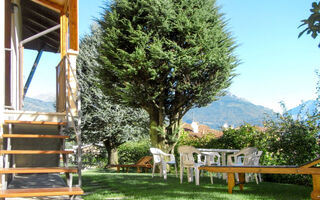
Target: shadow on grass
(143, 186)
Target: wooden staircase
(8, 169)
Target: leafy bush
(292, 142)
(203, 142)
(131, 152)
(244, 136)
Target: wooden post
(20, 77)
(3, 5)
(63, 52)
(73, 93)
(231, 182)
(2, 85)
(73, 21)
(63, 34)
(241, 180)
(315, 194)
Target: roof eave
(52, 4)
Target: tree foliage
(165, 56)
(313, 22)
(103, 121)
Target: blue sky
(275, 65)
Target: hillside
(304, 109)
(229, 110)
(31, 104)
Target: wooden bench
(307, 168)
(38, 192)
(144, 163)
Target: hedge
(131, 152)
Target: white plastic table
(223, 152)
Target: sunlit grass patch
(106, 184)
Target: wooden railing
(61, 86)
(68, 101)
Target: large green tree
(313, 22)
(313, 28)
(165, 56)
(103, 121)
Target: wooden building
(32, 143)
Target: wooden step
(34, 122)
(38, 192)
(37, 170)
(34, 152)
(34, 136)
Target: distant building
(258, 128)
(200, 130)
(225, 126)
(195, 127)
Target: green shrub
(244, 136)
(203, 142)
(131, 152)
(292, 142)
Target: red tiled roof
(202, 130)
(258, 128)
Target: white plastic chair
(214, 158)
(210, 159)
(187, 161)
(241, 158)
(255, 161)
(159, 158)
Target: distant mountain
(304, 109)
(31, 104)
(230, 110)
(47, 97)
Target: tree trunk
(173, 133)
(112, 153)
(109, 155)
(157, 129)
(114, 156)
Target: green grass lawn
(102, 184)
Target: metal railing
(68, 101)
